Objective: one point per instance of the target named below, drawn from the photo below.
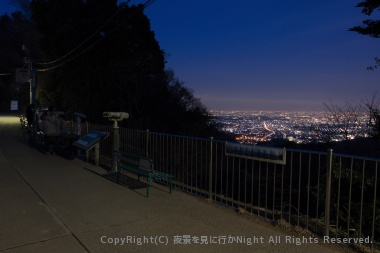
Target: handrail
(295, 191)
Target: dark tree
(23, 5)
(370, 27)
(98, 56)
(15, 30)
(372, 107)
(94, 56)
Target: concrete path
(50, 204)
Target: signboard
(23, 75)
(14, 105)
(266, 154)
(90, 140)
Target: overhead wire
(92, 35)
(145, 5)
(10, 74)
(77, 47)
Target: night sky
(265, 55)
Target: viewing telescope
(116, 115)
(78, 120)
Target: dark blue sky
(266, 55)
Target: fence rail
(327, 193)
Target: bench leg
(148, 181)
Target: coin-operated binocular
(78, 120)
(116, 116)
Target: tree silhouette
(98, 56)
(372, 108)
(370, 27)
(15, 30)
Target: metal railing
(326, 193)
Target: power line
(92, 35)
(9, 74)
(145, 5)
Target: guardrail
(329, 194)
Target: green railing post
(147, 143)
(210, 170)
(328, 192)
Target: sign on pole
(23, 75)
(14, 105)
(88, 141)
(266, 154)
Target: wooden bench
(142, 166)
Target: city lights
(300, 127)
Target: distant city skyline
(269, 55)
(300, 127)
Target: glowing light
(9, 120)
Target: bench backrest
(145, 164)
(134, 161)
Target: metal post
(32, 81)
(32, 85)
(328, 192)
(147, 143)
(97, 156)
(30, 91)
(115, 143)
(210, 171)
(87, 155)
(78, 121)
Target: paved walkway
(50, 204)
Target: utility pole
(32, 83)
(32, 80)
